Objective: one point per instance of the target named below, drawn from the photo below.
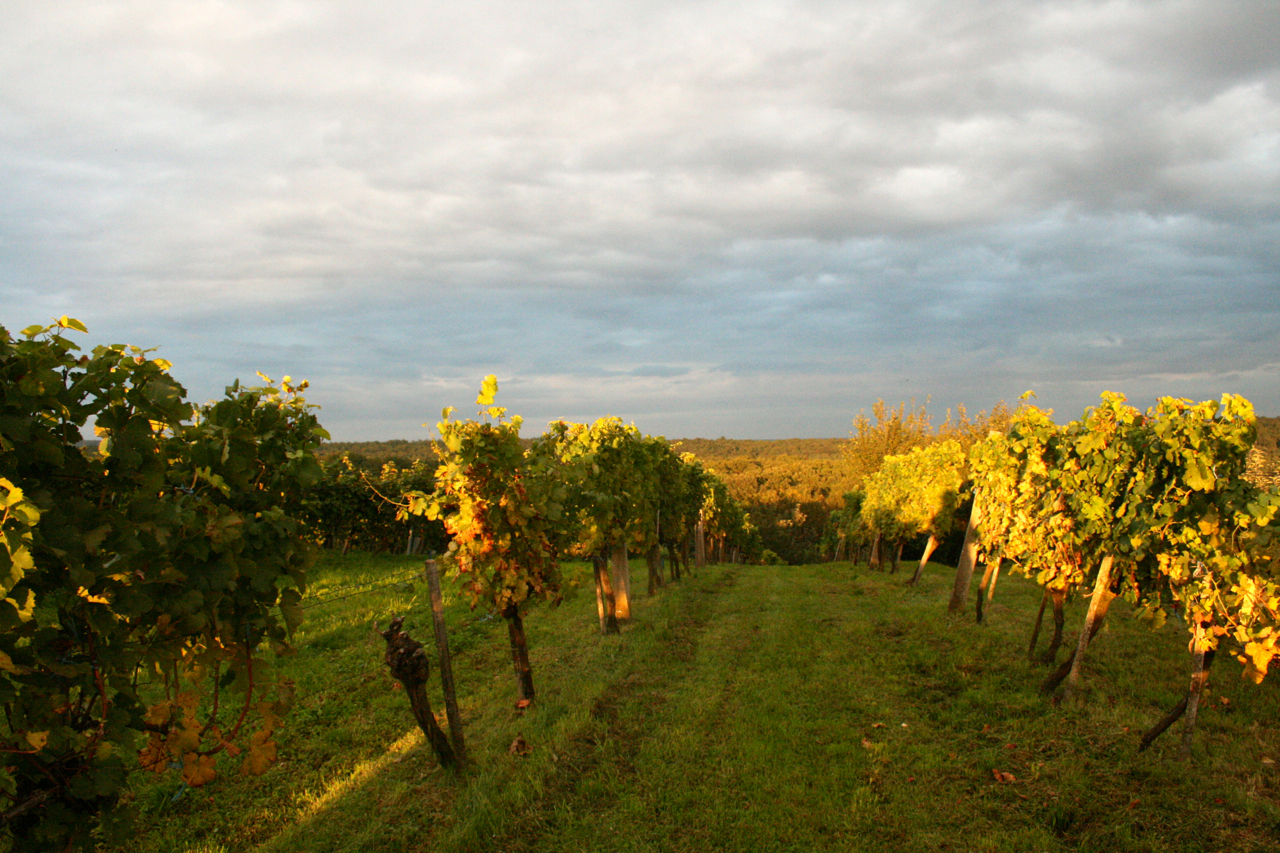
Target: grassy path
(820, 708)
(806, 710)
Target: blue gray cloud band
(743, 219)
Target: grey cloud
(698, 211)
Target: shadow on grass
(781, 708)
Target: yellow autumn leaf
(158, 714)
(1259, 658)
(154, 756)
(260, 755)
(94, 599)
(197, 770)
(37, 740)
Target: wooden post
(446, 663)
(606, 604)
(621, 571)
(968, 556)
(929, 548)
(1097, 611)
(700, 545)
(653, 559)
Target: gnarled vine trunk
(407, 661)
(519, 654)
(1199, 679)
(1059, 598)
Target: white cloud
(738, 203)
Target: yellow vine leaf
(93, 599)
(158, 714)
(260, 755)
(1259, 658)
(154, 756)
(488, 389)
(197, 770)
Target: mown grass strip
(764, 708)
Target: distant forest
(1269, 437)
(373, 455)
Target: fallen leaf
(1268, 761)
(520, 747)
(904, 725)
(523, 703)
(866, 743)
(1002, 777)
(877, 725)
(1010, 746)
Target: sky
(742, 219)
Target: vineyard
(178, 671)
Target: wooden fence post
(446, 663)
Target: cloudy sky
(748, 219)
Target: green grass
(763, 708)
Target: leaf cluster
(1162, 492)
(138, 579)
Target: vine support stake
(1097, 612)
(446, 664)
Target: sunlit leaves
(1162, 491)
(501, 504)
(488, 390)
(159, 554)
(917, 492)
